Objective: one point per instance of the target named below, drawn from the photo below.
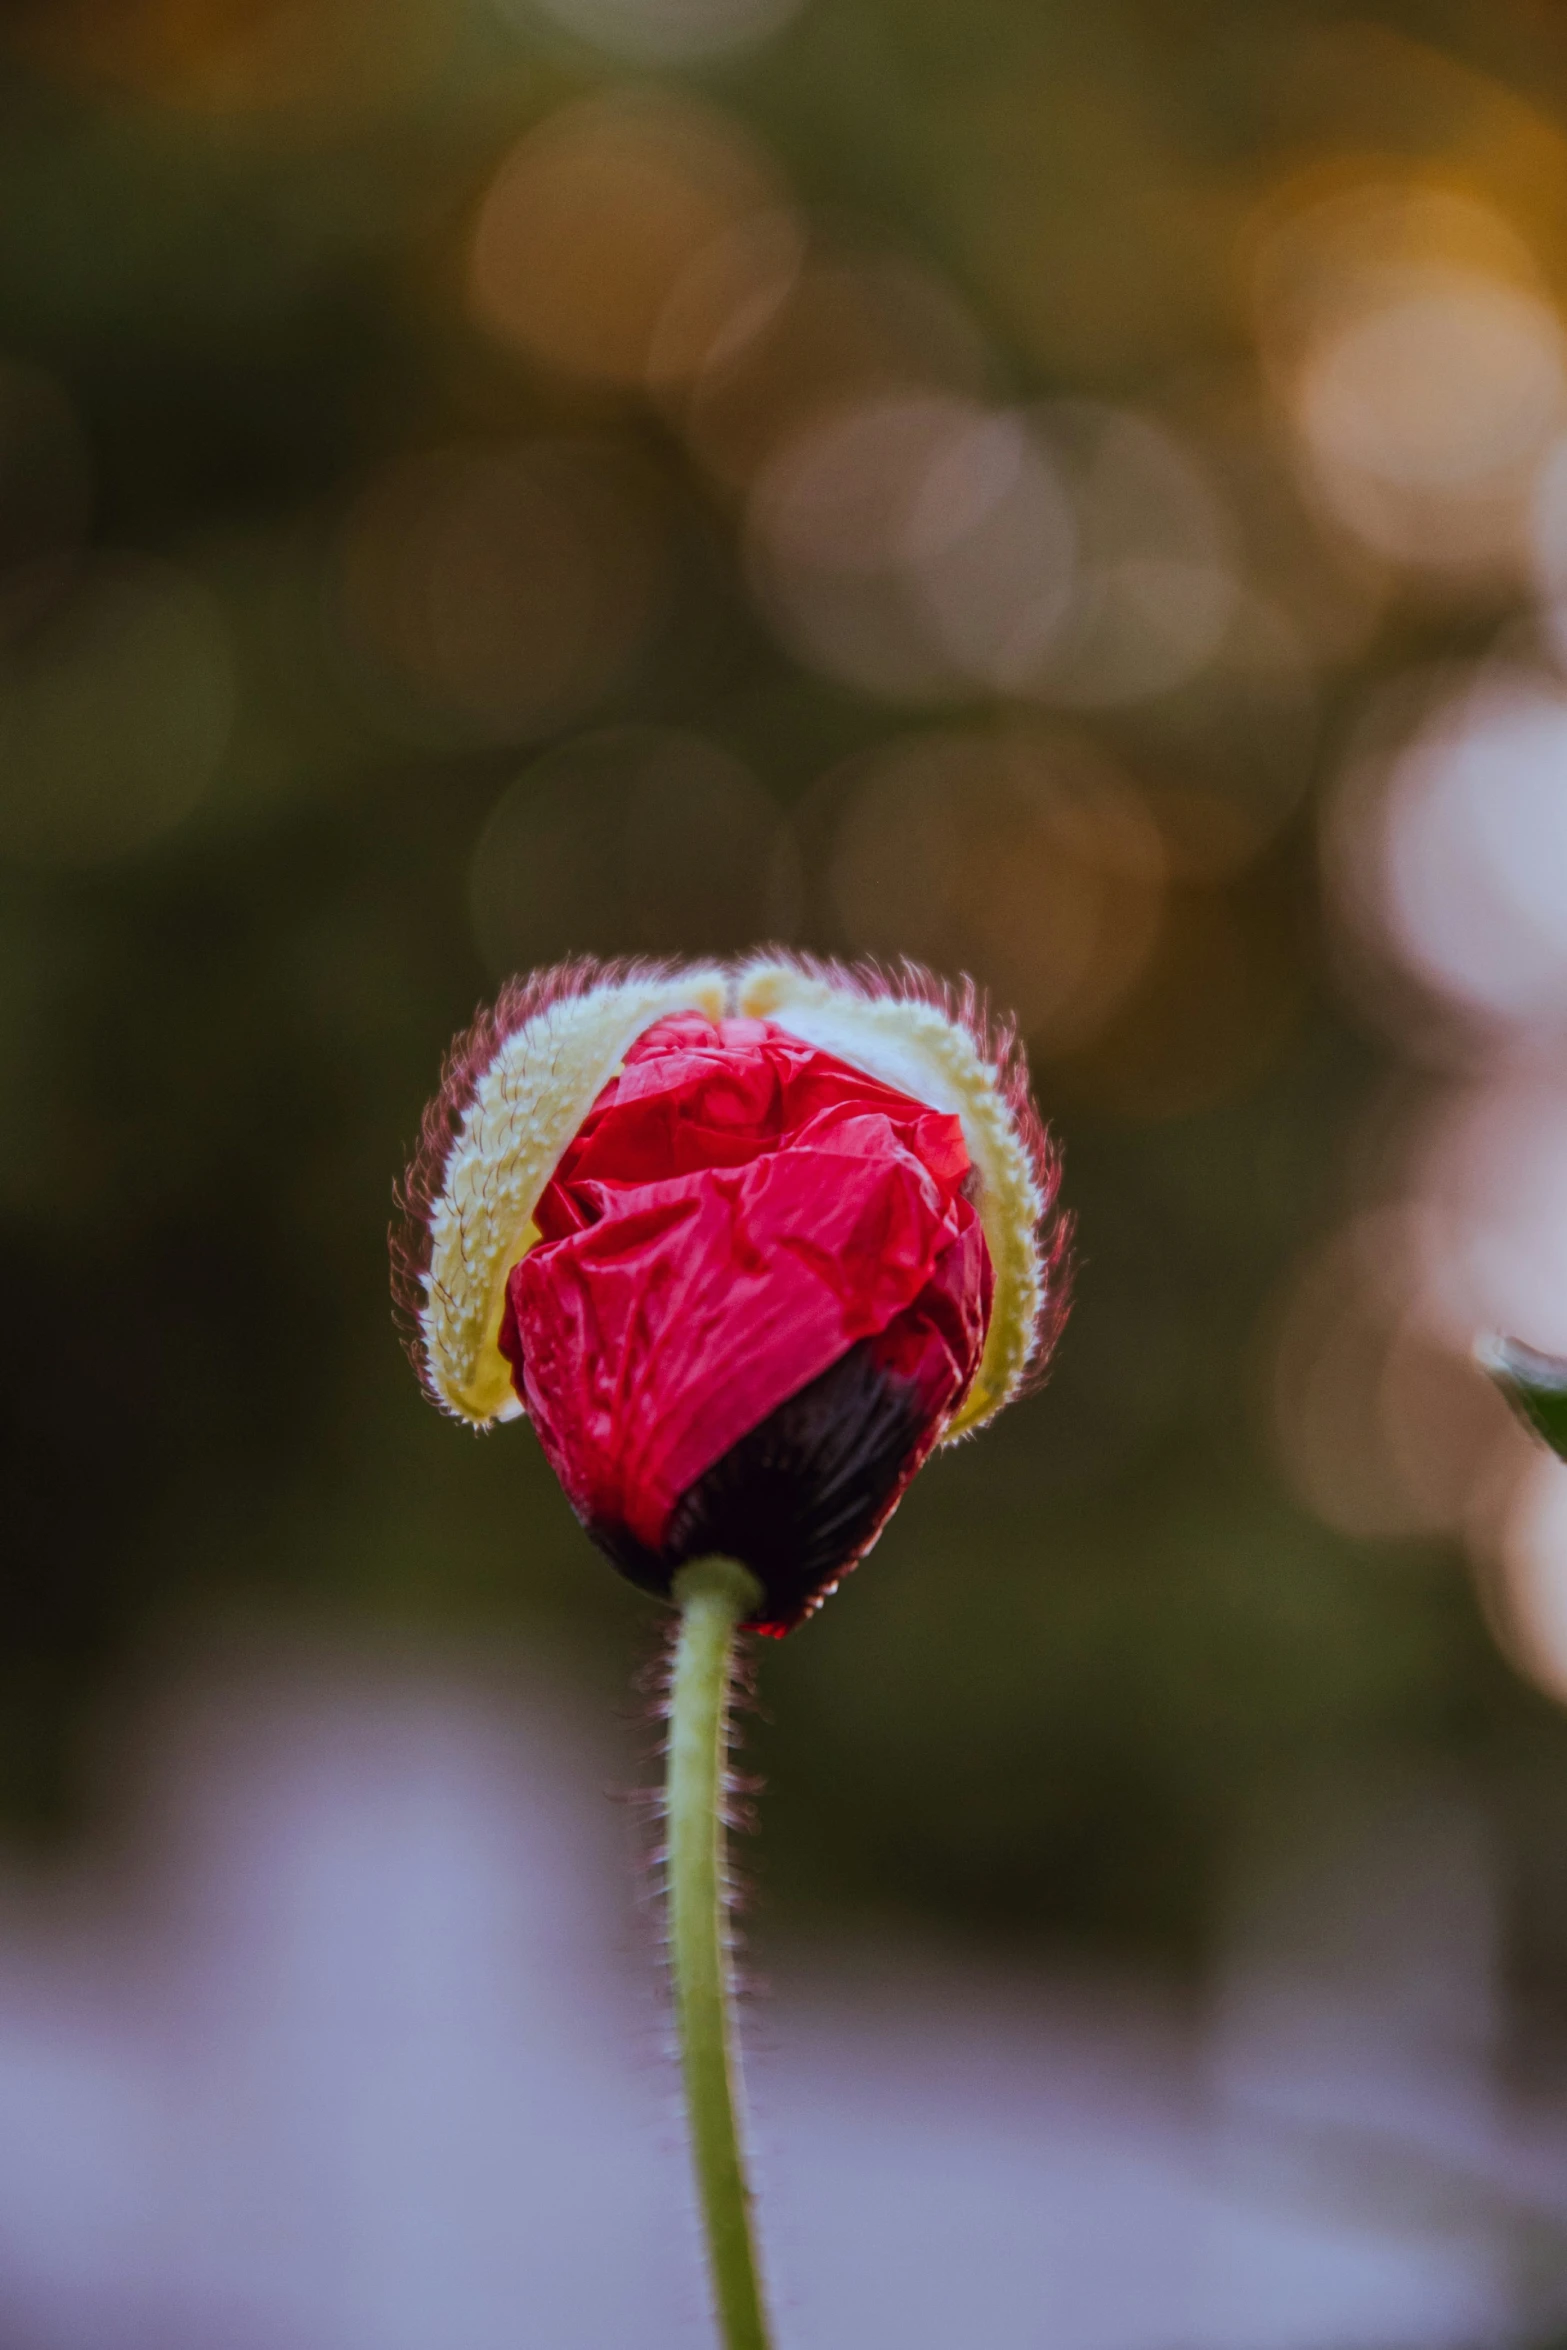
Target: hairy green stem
(714, 1595)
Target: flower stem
(714, 1595)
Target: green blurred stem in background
(1534, 1384)
(714, 1596)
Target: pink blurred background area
(348, 2034)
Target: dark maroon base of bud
(800, 1498)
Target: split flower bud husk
(745, 1244)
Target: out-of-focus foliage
(478, 482)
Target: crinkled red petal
(996, 1040)
(737, 1212)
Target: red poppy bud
(744, 1249)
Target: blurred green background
(409, 570)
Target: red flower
(733, 1242)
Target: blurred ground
(1077, 495)
(352, 2039)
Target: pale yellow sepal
(914, 1046)
(529, 1103)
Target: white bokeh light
(1157, 586)
(1426, 416)
(920, 544)
(1417, 351)
(992, 541)
(1470, 843)
(914, 546)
